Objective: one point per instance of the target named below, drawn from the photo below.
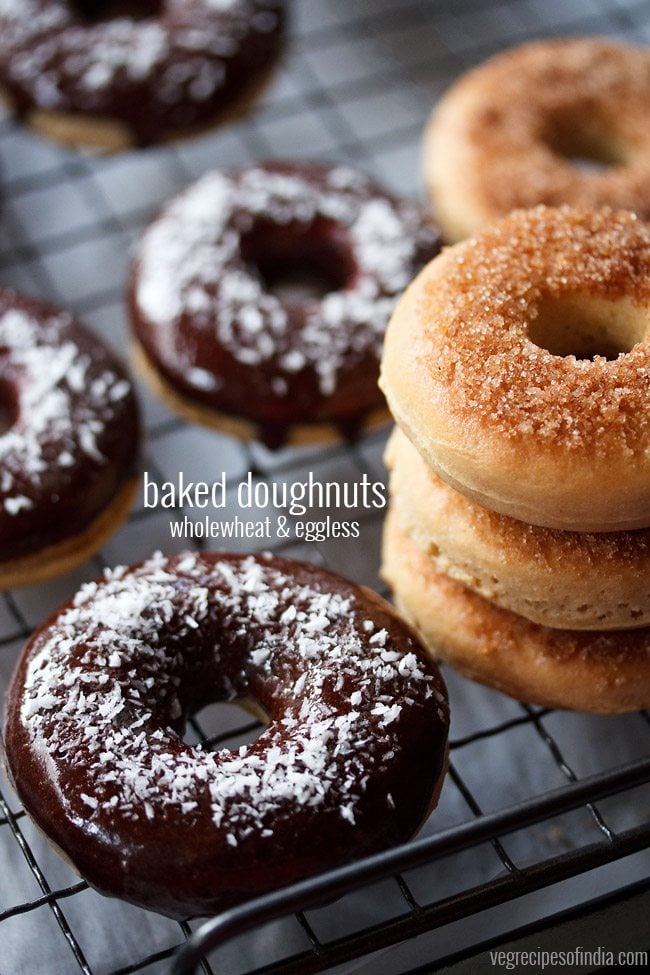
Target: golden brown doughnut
(508, 133)
(571, 580)
(606, 673)
(518, 363)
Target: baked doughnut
(69, 443)
(511, 132)
(601, 672)
(350, 763)
(118, 72)
(570, 580)
(224, 348)
(518, 363)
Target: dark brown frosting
(218, 334)
(349, 763)
(178, 67)
(71, 437)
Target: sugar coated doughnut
(601, 672)
(518, 363)
(511, 133)
(68, 443)
(116, 72)
(570, 580)
(224, 348)
(350, 763)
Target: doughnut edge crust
(563, 580)
(297, 435)
(597, 672)
(99, 698)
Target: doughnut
(512, 133)
(567, 580)
(518, 363)
(68, 441)
(351, 760)
(222, 347)
(602, 672)
(116, 73)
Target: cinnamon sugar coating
(514, 126)
(477, 313)
(525, 430)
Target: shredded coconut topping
(191, 264)
(105, 694)
(63, 60)
(63, 403)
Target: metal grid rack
(533, 796)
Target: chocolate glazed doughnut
(69, 450)
(350, 763)
(115, 72)
(222, 347)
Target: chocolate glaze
(72, 434)
(179, 67)
(349, 764)
(202, 310)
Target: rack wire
(533, 796)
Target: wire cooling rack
(533, 797)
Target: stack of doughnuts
(517, 367)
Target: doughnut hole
(226, 725)
(299, 264)
(96, 11)
(582, 141)
(586, 327)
